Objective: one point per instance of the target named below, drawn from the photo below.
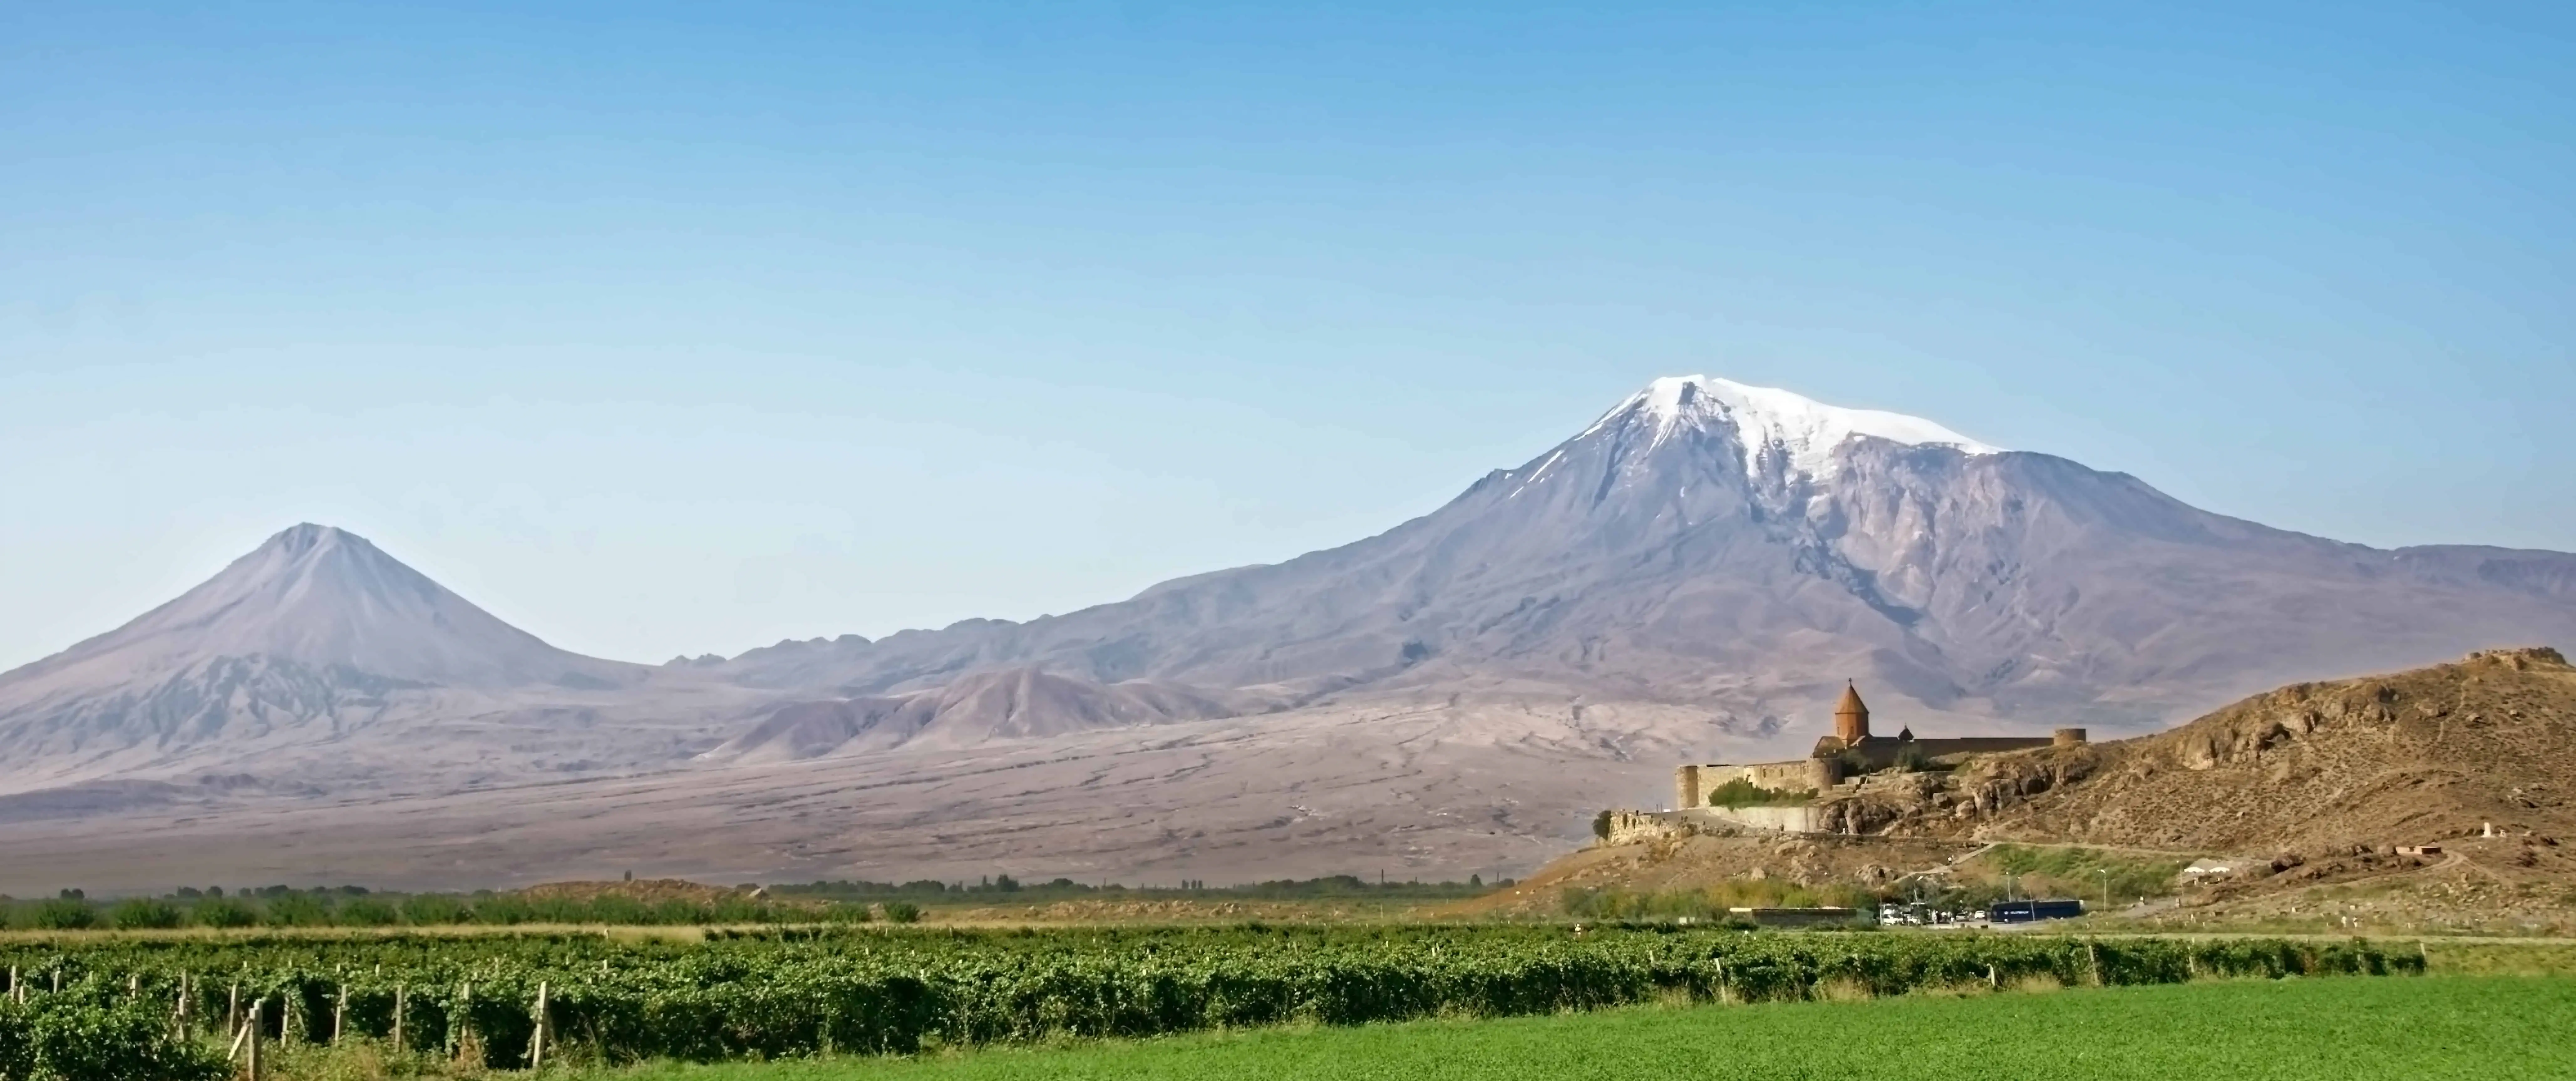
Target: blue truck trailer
(2035, 911)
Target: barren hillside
(2402, 759)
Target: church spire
(1851, 717)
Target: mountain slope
(316, 627)
(1021, 703)
(1740, 548)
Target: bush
(505, 909)
(224, 912)
(143, 913)
(63, 914)
(430, 908)
(903, 912)
(1601, 825)
(368, 912)
(1743, 793)
(67, 1038)
(298, 910)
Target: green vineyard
(865, 991)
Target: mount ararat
(1689, 576)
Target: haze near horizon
(659, 334)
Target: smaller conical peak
(1851, 703)
(1797, 432)
(305, 536)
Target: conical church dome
(1851, 717)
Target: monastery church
(1848, 753)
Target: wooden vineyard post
(2095, 954)
(241, 1033)
(537, 1039)
(399, 989)
(251, 1033)
(58, 981)
(232, 1012)
(1994, 981)
(464, 1020)
(134, 985)
(339, 1014)
(180, 1013)
(1721, 982)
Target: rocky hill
(2410, 758)
(2438, 795)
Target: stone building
(1851, 749)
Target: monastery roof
(1851, 702)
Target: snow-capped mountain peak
(1773, 423)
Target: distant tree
(64, 914)
(73, 894)
(502, 908)
(1601, 825)
(143, 913)
(903, 912)
(430, 909)
(223, 912)
(369, 912)
(1476, 881)
(297, 910)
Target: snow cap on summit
(1777, 422)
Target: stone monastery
(1843, 757)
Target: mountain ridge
(1684, 577)
(1753, 526)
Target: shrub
(504, 909)
(1743, 793)
(224, 912)
(368, 912)
(143, 913)
(63, 914)
(431, 908)
(298, 910)
(1601, 825)
(68, 1038)
(903, 912)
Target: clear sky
(660, 329)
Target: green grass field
(2487, 1028)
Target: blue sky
(662, 329)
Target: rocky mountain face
(1742, 548)
(1021, 703)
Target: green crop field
(2431, 1029)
